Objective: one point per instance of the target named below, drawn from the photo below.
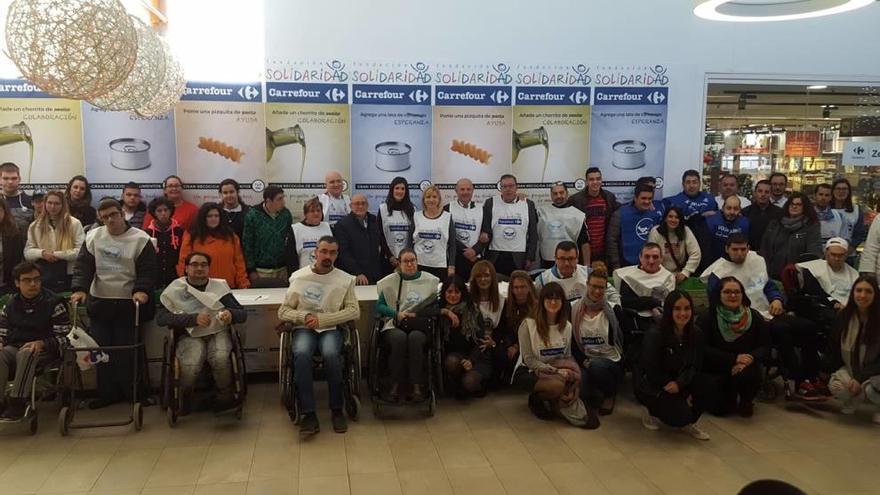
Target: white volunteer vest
(334, 208)
(430, 238)
(319, 293)
(307, 240)
(395, 227)
(556, 225)
(115, 261)
(594, 337)
(412, 292)
(510, 224)
(575, 286)
(836, 285)
(467, 222)
(558, 342)
(182, 298)
(657, 285)
(752, 274)
(850, 218)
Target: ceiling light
(817, 86)
(773, 10)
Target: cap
(837, 241)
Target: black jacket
(167, 251)
(359, 251)
(579, 201)
(759, 220)
(719, 355)
(235, 219)
(664, 359)
(781, 246)
(13, 253)
(84, 212)
(43, 318)
(833, 359)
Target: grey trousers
(21, 365)
(192, 352)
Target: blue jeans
(305, 342)
(600, 380)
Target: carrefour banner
(628, 135)
(307, 135)
(40, 133)
(391, 128)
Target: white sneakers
(694, 431)
(648, 421)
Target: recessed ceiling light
(817, 86)
(773, 10)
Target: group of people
(591, 290)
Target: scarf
(733, 324)
(825, 214)
(613, 324)
(792, 224)
(470, 321)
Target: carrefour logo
(579, 97)
(248, 92)
(500, 96)
(419, 95)
(335, 94)
(656, 97)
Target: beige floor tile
(570, 478)
(433, 482)
(459, 450)
(546, 447)
(415, 454)
(483, 415)
(823, 477)
(178, 466)
(128, 469)
(759, 466)
(28, 472)
(326, 485)
(169, 490)
(283, 486)
(77, 472)
(221, 489)
(622, 478)
(124, 491)
(501, 446)
(323, 456)
(227, 464)
(475, 481)
(368, 454)
(588, 445)
(374, 484)
(275, 461)
(524, 479)
(671, 475)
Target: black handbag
(414, 323)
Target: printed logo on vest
(413, 298)
(643, 228)
(509, 233)
(313, 294)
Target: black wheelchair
(171, 395)
(378, 368)
(351, 370)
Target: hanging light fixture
(169, 93)
(78, 49)
(145, 78)
(773, 10)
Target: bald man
(336, 204)
(358, 236)
(467, 217)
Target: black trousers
(791, 333)
(674, 409)
(723, 391)
(113, 328)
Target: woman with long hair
(738, 343)
(396, 223)
(853, 356)
(79, 200)
(598, 342)
(667, 381)
(545, 343)
(212, 235)
(304, 240)
(53, 241)
(485, 294)
(521, 301)
(184, 211)
(11, 248)
(854, 214)
(434, 235)
(680, 250)
(795, 234)
(406, 359)
(168, 235)
(467, 363)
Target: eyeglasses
(109, 216)
(567, 259)
(29, 280)
(196, 264)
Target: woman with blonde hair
(53, 242)
(434, 236)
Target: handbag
(413, 323)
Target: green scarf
(733, 324)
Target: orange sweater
(227, 259)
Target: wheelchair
(351, 370)
(377, 377)
(171, 393)
(45, 386)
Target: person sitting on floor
(202, 309)
(33, 332)
(468, 362)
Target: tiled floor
(484, 447)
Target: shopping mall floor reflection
(487, 446)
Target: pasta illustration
(221, 148)
(471, 150)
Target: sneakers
(694, 431)
(539, 408)
(809, 392)
(309, 426)
(592, 421)
(648, 421)
(340, 424)
(14, 410)
(848, 410)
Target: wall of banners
(428, 123)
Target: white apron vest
(319, 293)
(558, 345)
(307, 240)
(467, 222)
(556, 225)
(412, 292)
(115, 261)
(657, 285)
(182, 298)
(752, 274)
(836, 285)
(334, 208)
(395, 227)
(510, 225)
(430, 239)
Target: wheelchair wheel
(353, 407)
(376, 409)
(171, 417)
(65, 416)
(138, 416)
(432, 404)
(34, 423)
(285, 372)
(373, 365)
